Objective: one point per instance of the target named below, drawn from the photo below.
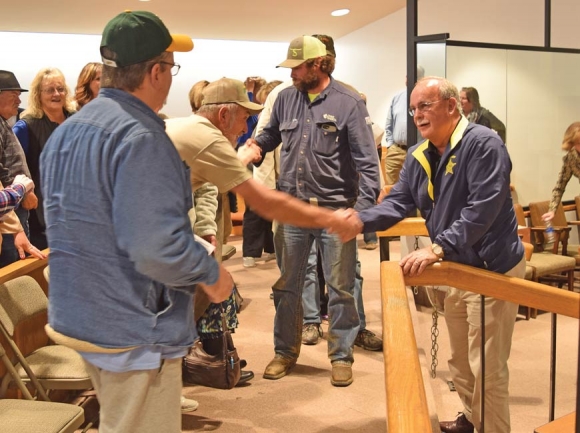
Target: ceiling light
(340, 12)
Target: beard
(309, 82)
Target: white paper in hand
(209, 247)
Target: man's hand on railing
(416, 262)
(346, 224)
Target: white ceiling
(256, 20)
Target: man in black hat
(13, 163)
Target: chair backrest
(523, 230)
(520, 216)
(537, 209)
(20, 299)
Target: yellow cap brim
(180, 43)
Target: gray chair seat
(55, 366)
(30, 416)
(547, 263)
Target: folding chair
(48, 367)
(30, 416)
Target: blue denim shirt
(328, 150)
(123, 260)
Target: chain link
(434, 345)
(434, 328)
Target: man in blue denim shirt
(124, 263)
(328, 159)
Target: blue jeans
(311, 291)
(293, 247)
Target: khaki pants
(462, 315)
(141, 401)
(394, 163)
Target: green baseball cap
(301, 49)
(227, 91)
(138, 36)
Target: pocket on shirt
(287, 130)
(159, 298)
(326, 139)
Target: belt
(402, 146)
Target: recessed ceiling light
(340, 12)
(144, 0)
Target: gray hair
(447, 89)
(128, 78)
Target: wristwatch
(437, 250)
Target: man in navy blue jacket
(459, 179)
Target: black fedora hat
(9, 82)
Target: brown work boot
(368, 341)
(341, 373)
(311, 333)
(278, 367)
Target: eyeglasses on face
(51, 90)
(422, 107)
(174, 67)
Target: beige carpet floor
(305, 401)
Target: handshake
(250, 152)
(345, 223)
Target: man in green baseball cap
(135, 37)
(117, 196)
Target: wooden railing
(406, 403)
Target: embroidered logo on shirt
(450, 165)
(329, 117)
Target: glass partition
(535, 94)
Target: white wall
(373, 58)
(26, 53)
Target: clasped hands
(249, 152)
(347, 225)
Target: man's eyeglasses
(51, 90)
(174, 67)
(423, 107)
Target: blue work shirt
(396, 126)
(328, 151)
(124, 262)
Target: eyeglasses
(174, 67)
(51, 90)
(422, 107)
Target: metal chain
(416, 246)
(434, 345)
(434, 328)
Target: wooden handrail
(511, 289)
(414, 226)
(407, 409)
(22, 267)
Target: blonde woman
(49, 104)
(570, 166)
